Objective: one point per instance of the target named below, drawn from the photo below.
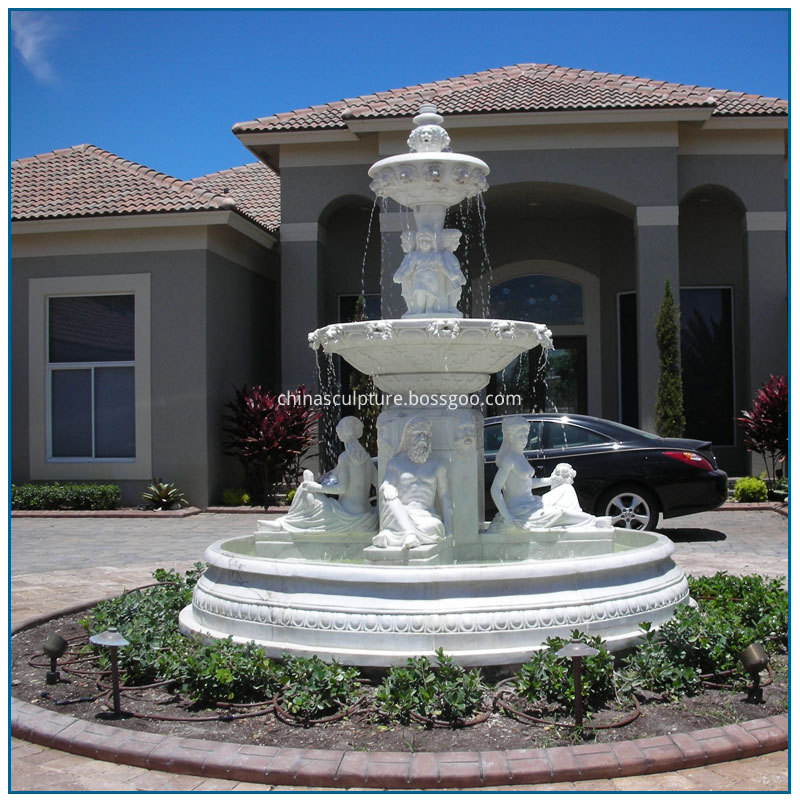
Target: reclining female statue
(339, 501)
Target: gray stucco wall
(242, 348)
(213, 324)
(178, 372)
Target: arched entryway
(566, 299)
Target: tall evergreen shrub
(670, 420)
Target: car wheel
(630, 507)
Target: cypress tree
(670, 420)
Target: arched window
(538, 298)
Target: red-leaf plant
(766, 427)
(269, 435)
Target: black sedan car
(627, 474)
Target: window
(560, 436)
(91, 381)
(707, 363)
(89, 378)
(493, 437)
(538, 298)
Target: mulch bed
(78, 695)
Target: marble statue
(515, 479)
(430, 277)
(413, 481)
(520, 510)
(339, 501)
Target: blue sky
(163, 88)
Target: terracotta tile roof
(85, 181)
(520, 88)
(255, 188)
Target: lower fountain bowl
(481, 613)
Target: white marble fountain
(373, 584)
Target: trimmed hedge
(65, 496)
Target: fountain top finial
(429, 136)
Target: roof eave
(358, 127)
(151, 220)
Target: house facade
(602, 187)
(137, 303)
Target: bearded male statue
(407, 496)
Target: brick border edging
(395, 770)
(114, 513)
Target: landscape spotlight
(54, 646)
(113, 640)
(577, 651)
(754, 658)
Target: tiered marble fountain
(370, 586)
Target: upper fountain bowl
(414, 179)
(429, 174)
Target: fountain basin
(485, 613)
(431, 355)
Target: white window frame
(43, 466)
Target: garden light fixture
(754, 658)
(54, 646)
(577, 651)
(113, 640)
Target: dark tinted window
(562, 435)
(493, 437)
(94, 328)
(707, 363)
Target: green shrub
(651, 667)
(65, 496)
(317, 689)
(235, 497)
(226, 671)
(750, 490)
(446, 692)
(545, 677)
(160, 496)
(754, 602)
(290, 496)
(148, 619)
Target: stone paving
(57, 563)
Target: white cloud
(33, 33)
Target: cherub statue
(430, 277)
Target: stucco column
(301, 300)
(656, 262)
(765, 237)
